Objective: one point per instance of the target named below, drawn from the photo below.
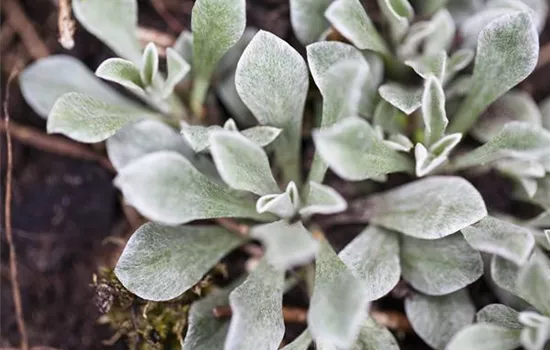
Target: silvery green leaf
(542, 196)
(485, 336)
(429, 65)
(149, 65)
(516, 139)
(458, 87)
(545, 112)
(445, 145)
(285, 82)
(406, 99)
(257, 321)
(399, 142)
(426, 162)
(398, 14)
(322, 199)
(308, 19)
(457, 62)
(206, 331)
(177, 70)
(499, 314)
(389, 118)
(412, 43)
(184, 46)
(123, 72)
(442, 34)
(372, 336)
(536, 331)
(495, 236)
(113, 22)
(230, 98)
(529, 185)
(504, 273)
(351, 20)
(509, 41)
(302, 342)
(340, 71)
(284, 205)
(533, 282)
(373, 256)
(198, 137)
(439, 266)
(433, 110)
(339, 303)
(276, 235)
(261, 135)
(512, 106)
(436, 319)
(430, 208)
(88, 119)
(162, 262)
(217, 25)
(462, 9)
(41, 84)
(165, 187)
(353, 151)
(241, 163)
(229, 61)
(139, 139)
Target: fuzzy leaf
(276, 235)
(206, 331)
(123, 72)
(536, 332)
(533, 282)
(484, 336)
(217, 25)
(41, 84)
(302, 342)
(499, 237)
(436, 319)
(162, 262)
(275, 91)
(338, 306)
(113, 22)
(442, 34)
(322, 199)
(374, 257)
(354, 152)
(389, 118)
(257, 321)
(398, 13)
(513, 106)
(165, 187)
(177, 70)
(308, 19)
(504, 273)
(516, 139)
(261, 135)
(373, 336)
(351, 20)
(429, 208)
(87, 119)
(149, 65)
(433, 111)
(428, 65)
(457, 62)
(440, 266)
(148, 136)
(406, 99)
(499, 314)
(242, 164)
(284, 205)
(509, 41)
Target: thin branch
(544, 55)
(290, 314)
(17, 19)
(393, 320)
(66, 25)
(234, 226)
(55, 144)
(16, 290)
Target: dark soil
(64, 208)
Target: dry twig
(16, 291)
(393, 320)
(544, 56)
(17, 19)
(234, 226)
(55, 144)
(290, 314)
(66, 25)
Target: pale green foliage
(162, 262)
(397, 97)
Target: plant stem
(198, 95)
